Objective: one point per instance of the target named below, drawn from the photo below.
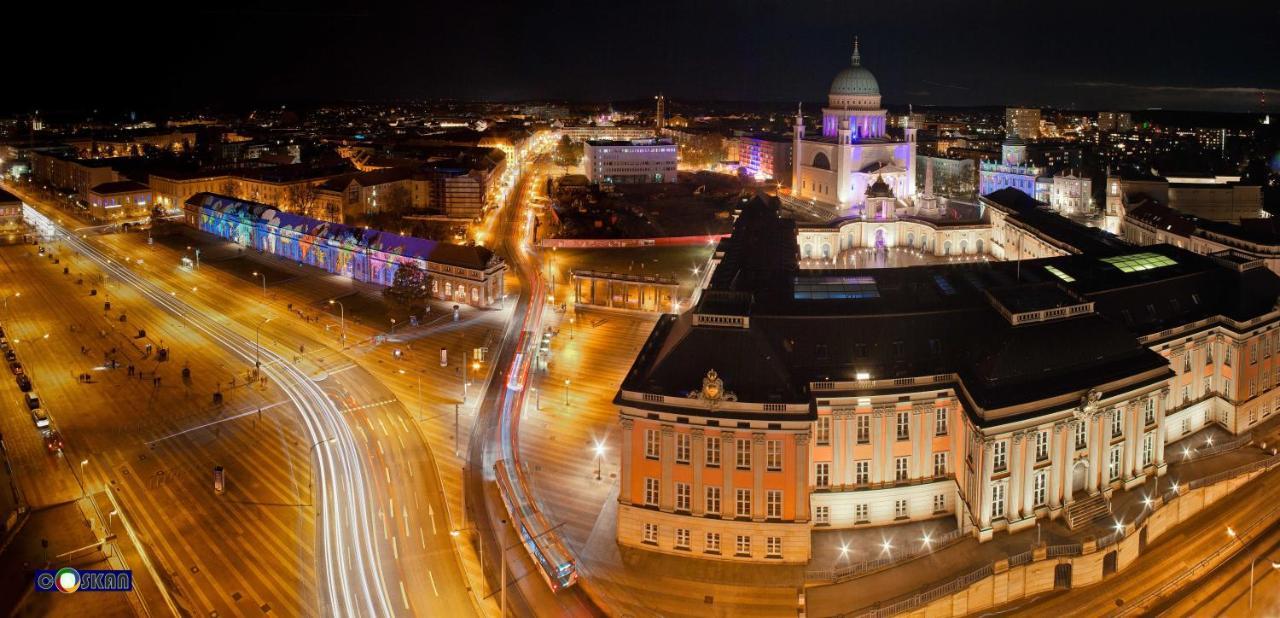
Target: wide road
(383, 543)
(1226, 591)
(494, 435)
(1173, 553)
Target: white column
(1097, 445)
(728, 463)
(838, 449)
(924, 440)
(757, 474)
(879, 444)
(984, 507)
(1029, 473)
(1013, 494)
(1160, 424)
(1057, 448)
(802, 477)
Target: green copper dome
(855, 79)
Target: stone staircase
(1081, 512)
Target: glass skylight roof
(1059, 274)
(1139, 261)
(835, 288)
(944, 285)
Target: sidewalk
(63, 528)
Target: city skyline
(1133, 56)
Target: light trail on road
(351, 567)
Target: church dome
(855, 79)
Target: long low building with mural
(466, 274)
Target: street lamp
(257, 347)
(571, 327)
(599, 457)
(312, 477)
(6, 300)
(83, 488)
(342, 319)
(264, 282)
(566, 392)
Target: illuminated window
(1059, 274)
(1139, 261)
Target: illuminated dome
(855, 79)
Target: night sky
(1119, 54)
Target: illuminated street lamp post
(312, 477)
(6, 300)
(257, 345)
(1252, 563)
(599, 458)
(566, 392)
(264, 282)
(342, 320)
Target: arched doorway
(880, 243)
(807, 252)
(826, 250)
(1109, 564)
(911, 239)
(1079, 475)
(977, 246)
(964, 247)
(946, 248)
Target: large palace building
(997, 393)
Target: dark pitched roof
(8, 198)
(122, 186)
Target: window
(652, 444)
(1253, 353)
(683, 496)
(864, 428)
(682, 539)
(743, 547)
(900, 469)
(999, 456)
(862, 472)
(904, 424)
(742, 503)
(651, 491)
(712, 543)
(773, 455)
(822, 474)
(1208, 354)
(683, 441)
(1186, 425)
(742, 453)
(1186, 393)
(773, 504)
(899, 509)
(822, 432)
(940, 422)
(940, 503)
(713, 500)
(822, 515)
(1253, 387)
(1113, 464)
(1186, 362)
(1117, 424)
(651, 534)
(1227, 353)
(939, 464)
(1038, 488)
(1149, 406)
(861, 514)
(713, 452)
(997, 500)
(1147, 450)
(773, 547)
(1226, 389)
(1042, 445)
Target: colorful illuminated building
(853, 150)
(468, 274)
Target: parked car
(53, 440)
(33, 400)
(40, 417)
(16, 368)
(24, 383)
(10, 356)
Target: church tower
(798, 129)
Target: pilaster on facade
(984, 507)
(624, 484)
(1058, 467)
(757, 477)
(698, 437)
(802, 477)
(666, 500)
(728, 464)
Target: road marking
(422, 537)
(406, 523)
(395, 548)
(431, 514)
(380, 451)
(211, 423)
(362, 433)
(404, 596)
(384, 428)
(391, 506)
(386, 530)
(433, 582)
(411, 476)
(388, 471)
(404, 426)
(400, 441)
